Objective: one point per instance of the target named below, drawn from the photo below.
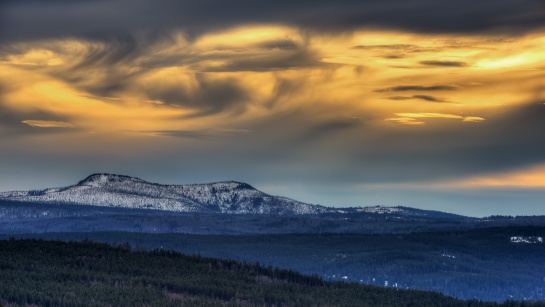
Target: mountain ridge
(93, 177)
(230, 196)
(112, 190)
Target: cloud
(331, 126)
(526, 178)
(47, 124)
(421, 97)
(284, 89)
(292, 59)
(279, 44)
(400, 48)
(401, 51)
(207, 96)
(440, 115)
(400, 97)
(14, 122)
(505, 141)
(429, 98)
(473, 119)
(413, 118)
(197, 134)
(532, 177)
(444, 63)
(197, 75)
(391, 46)
(406, 88)
(406, 121)
(32, 19)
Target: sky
(430, 104)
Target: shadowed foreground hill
(55, 273)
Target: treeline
(27, 217)
(56, 273)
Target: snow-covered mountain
(232, 197)
(129, 192)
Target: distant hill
(231, 197)
(129, 192)
(401, 212)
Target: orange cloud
(410, 118)
(227, 78)
(528, 178)
(532, 177)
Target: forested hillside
(55, 273)
(23, 217)
(485, 264)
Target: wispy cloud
(406, 121)
(421, 97)
(532, 177)
(527, 178)
(411, 118)
(444, 63)
(197, 134)
(47, 124)
(407, 88)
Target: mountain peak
(234, 185)
(112, 190)
(100, 179)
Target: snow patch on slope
(528, 240)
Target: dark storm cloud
(406, 88)
(443, 63)
(34, 19)
(421, 97)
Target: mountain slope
(92, 274)
(231, 197)
(129, 192)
